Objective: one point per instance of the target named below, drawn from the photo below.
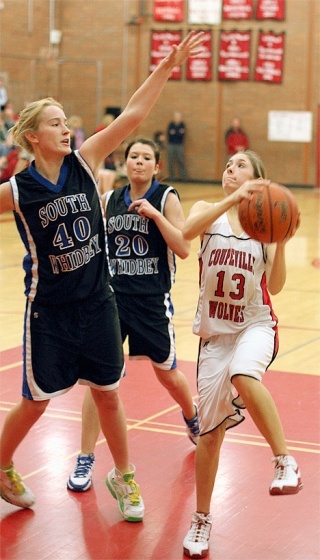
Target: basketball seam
(270, 216)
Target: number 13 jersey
(233, 292)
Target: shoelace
(16, 482)
(193, 426)
(134, 492)
(281, 469)
(199, 531)
(82, 468)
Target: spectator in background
(3, 134)
(159, 138)
(113, 166)
(77, 134)
(107, 173)
(13, 161)
(107, 119)
(235, 138)
(9, 116)
(3, 94)
(176, 132)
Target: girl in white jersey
(238, 337)
(71, 327)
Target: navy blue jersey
(140, 259)
(63, 230)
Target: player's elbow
(187, 233)
(184, 250)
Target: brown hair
(148, 142)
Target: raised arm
(203, 214)
(96, 148)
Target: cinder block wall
(104, 55)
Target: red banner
(269, 63)
(270, 9)
(199, 67)
(234, 55)
(237, 9)
(168, 10)
(161, 46)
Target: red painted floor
(248, 524)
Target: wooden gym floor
(248, 524)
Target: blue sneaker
(80, 479)
(192, 426)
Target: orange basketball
(270, 214)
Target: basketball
(270, 214)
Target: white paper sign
(290, 126)
(205, 11)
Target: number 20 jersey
(233, 292)
(140, 260)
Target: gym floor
(248, 524)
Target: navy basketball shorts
(147, 321)
(70, 343)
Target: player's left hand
(190, 46)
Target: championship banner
(168, 10)
(270, 9)
(237, 9)
(269, 63)
(199, 67)
(234, 55)
(161, 46)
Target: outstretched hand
(190, 46)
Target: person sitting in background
(108, 172)
(3, 94)
(9, 115)
(15, 160)
(3, 135)
(77, 134)
(235, 138)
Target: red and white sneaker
(287, 478)
(196, 541)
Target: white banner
(290, 126)
(205, 11)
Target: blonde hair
(29, 120)
(259, 169)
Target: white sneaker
(196, 541)
(127, 492)
(287, 478)
(13, 490)
(81, 478)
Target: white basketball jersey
(233, 291)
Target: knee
(34, 408)
(169, 379)
(246, 386)
(213, 440)
(106, 399)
